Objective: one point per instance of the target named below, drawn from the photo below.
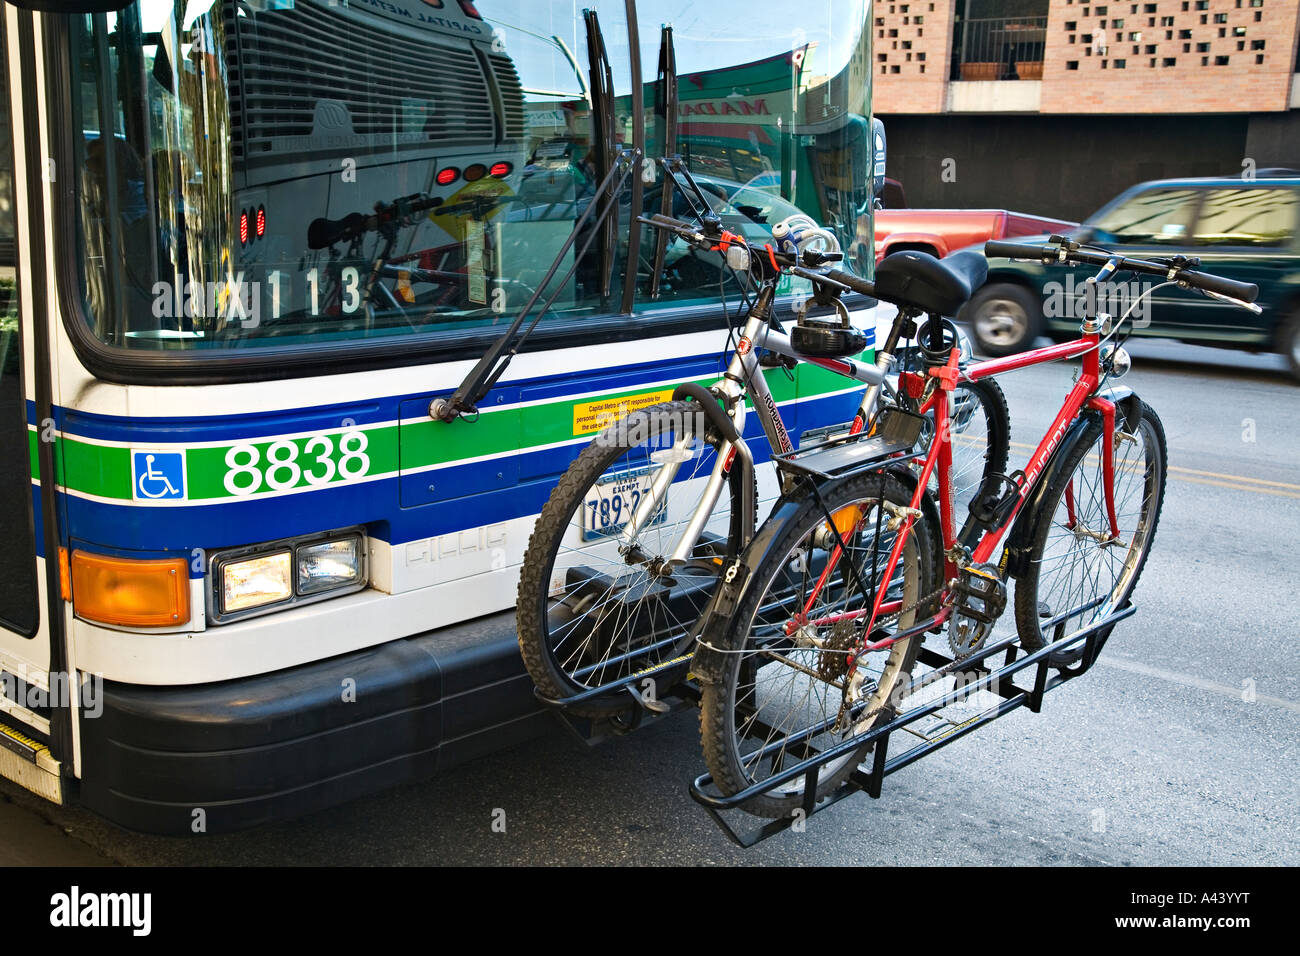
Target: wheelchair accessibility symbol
(158, 475)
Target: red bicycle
(813, 642)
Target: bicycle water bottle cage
(995, 500)
(826, 337)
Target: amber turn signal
(130, 592)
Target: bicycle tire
(541, 612)
(1038, 599)
(769, 555)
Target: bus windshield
(267, 173)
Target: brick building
(1053, 106)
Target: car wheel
(1289, 341)
(1005, 318)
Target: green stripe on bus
(244, 469)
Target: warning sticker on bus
(589, 417)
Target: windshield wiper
(666, 111)
(603, 124)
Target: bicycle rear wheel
(1077, 572)
(596, 605)
(782, 687)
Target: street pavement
(1178, 748)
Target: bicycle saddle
(919, 280)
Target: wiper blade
(603, 127)
(666, 112)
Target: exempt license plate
(611, 502)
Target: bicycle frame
(743, 378)
(940, 457)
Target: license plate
(611, 502)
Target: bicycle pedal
(979, 596)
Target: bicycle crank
(978, 599)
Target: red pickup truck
(941, 231)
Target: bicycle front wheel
(598, 603)
(1078, 571)
(779, 701)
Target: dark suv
(1244, 230)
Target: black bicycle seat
(919, 280)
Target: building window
(1184, 34)
(1134, 37)
(1071, 25)
(1151, 48)
(1166, 21)
(1259, 58)
(1202, 48)
(1257, 44)
(1119, 64)
(1169, 61)
(1220, 18)
(1220, 61)
(1071, 64)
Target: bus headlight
(279, 574)
(255, 582)
(329, 565)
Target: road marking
(1187, 680)
(1281, 489)
(1238, 487)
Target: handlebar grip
(998, 249)
(1244, 291)
(856, 283)
(325, 232)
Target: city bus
(244, 245)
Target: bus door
(25, 640)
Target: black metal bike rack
(977, 676)
(636, 708)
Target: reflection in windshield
(284, 171)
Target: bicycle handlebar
(1176, 269)
(809, 266)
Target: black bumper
(260, 749)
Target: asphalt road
(1179, 748)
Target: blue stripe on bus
(204, 428)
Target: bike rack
(637, 708)
(997, 680)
